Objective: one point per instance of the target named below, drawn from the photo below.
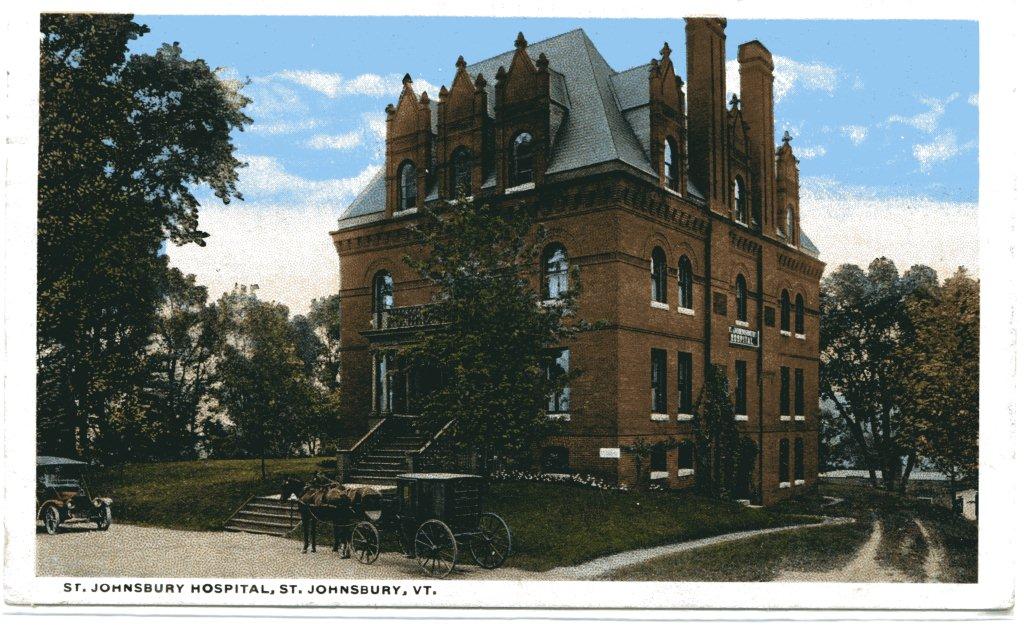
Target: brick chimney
(756, 80)
(706, 127)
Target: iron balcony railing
(407, 317)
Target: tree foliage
(722, 456)
(124, 141)
(494, 346)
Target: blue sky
(884, 116)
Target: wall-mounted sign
(610, 453)
(744, 337)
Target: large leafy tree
(124, 142)
(494, 343)
(940, 382)
(724, 458)
(866, 333)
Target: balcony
(403, 322)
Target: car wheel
(105, 519)
(51, 519)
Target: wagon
(437, 517)
(62, 495)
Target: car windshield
(57, 476)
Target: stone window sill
(785, 418)
(798, 481)
(518, 188)
(404, 212)
(784, 485)
(742, 418)
(468, 199)
(685, 311)
(673, 192)
(559, 417)
(684, 417)
(801, 336)
(552, 302)
(684, 472)
(799, 418)
(659, 417)
(659, 305)
(742, 324)
(657, 475)
(785, 332)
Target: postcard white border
(1000, 153)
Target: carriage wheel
(436, 549)
(51, 519)
(365, 542)
(491, 544)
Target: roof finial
(480, 82)
(461, 63)
(520, 41)
(542, 61)
(407, 80)
(665, 51)
(734, 102)
(786, 137)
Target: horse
(327, 501)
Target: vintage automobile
(62, 496)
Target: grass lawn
(552, 525)
(758, 559)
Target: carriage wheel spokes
(365, 542)
(492, 543)
(435, 548)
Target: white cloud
(336, 86)
(344, 141)
(857, 225)
(972, 99)
(856, 134)
(789, 75)
(279, 242)
(283, 127)
(941, 148)
(809, 152)
(927, 121)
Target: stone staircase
(391, 448)
(265, 515)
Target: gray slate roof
(607, 117)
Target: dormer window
(521, 162)
(462, 173)
(739, 201)
(406, 186)
(671, 166)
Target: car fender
(56, 503)
(98, 502)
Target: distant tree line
(900, 372)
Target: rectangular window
(769, 316)
(685, 382)
(659, 368)
(798, 392)
(784, 391)
(558, 367)
(685, 455)
(741, 388)
(719, 303)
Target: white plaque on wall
(610, 453)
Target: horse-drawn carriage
(435, 516)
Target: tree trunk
(911, 461)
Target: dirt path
(937, 562)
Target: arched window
(556, 272)
(462, 173)
(798, 459)
(383, 292)
(799, 325)
(739, 200)
(407, 186)
(784, 322)
(521, 161)
(685, 283)
(741, 298)
(671, 165)
(658, 273)
(784, 461)
(788, 232)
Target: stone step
(373, 480)
(242, 518)
(257, 529)
(248, 512)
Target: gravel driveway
(142, 551)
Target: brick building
(681, 213)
